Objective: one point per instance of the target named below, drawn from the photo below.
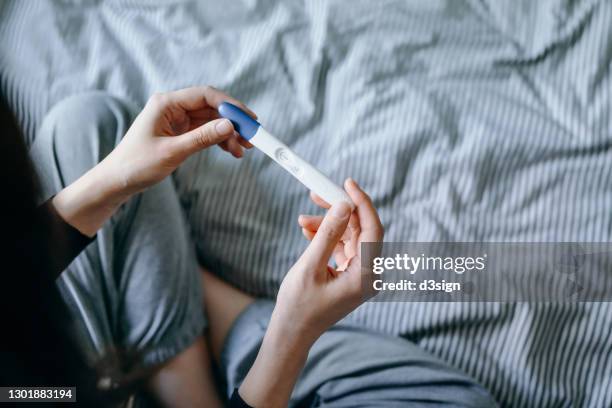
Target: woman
(171, 127)
(133, 291)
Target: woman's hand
(314, 296)
(171, 127)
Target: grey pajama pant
(351, 367)
(136, 297)
(135, 292)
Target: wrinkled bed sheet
(465, 120)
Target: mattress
(465, 121)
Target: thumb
(328, 235)
(210, 133)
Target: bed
(465, 120)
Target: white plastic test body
(299, 168)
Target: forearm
(282, 355)
(91, 200)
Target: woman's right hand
(170, 128)
(313, 296)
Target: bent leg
(135, 291)
(350, 367)
(224, 304)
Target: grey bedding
(465, 120)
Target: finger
(328, 235)
(199, 97)
(310, 222)
(198, 118)
(238, 138)
(339, 252)
(223, 145)
(243, 142)
(234, 147)
(353, 232)
(209, 134)
(318, 200)
(308, 234)
(369, 222)
(203, 115)
(313, 222)
(340, 257)
(342, 265)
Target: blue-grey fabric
(135, 292)
(349, 367)
(465, 120)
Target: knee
(88, 121)
(80, 131)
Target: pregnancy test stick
(299, 168)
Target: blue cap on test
(243, 123)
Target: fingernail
(224, 126)
(351, 182)
(340, 210)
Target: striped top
(464, 120)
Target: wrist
(293, 332)
(89, 201)
(279, 361)
(112, 189)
